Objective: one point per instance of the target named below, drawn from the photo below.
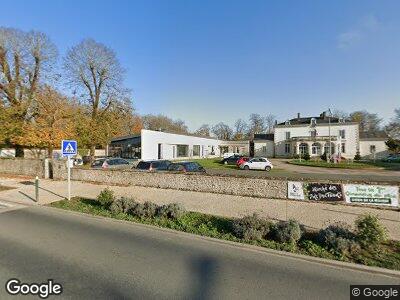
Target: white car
(229, 154)
(257, 163)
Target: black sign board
(324, 192)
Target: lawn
(214, 163)
(387, 255)
(348, 164)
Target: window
(264, 149)
(316, 149)
(196, 150)
(287, 148)
(343, 148)
(182, 150)
(303, 148)
(313, 133)
(313, 122)
(287, 135)
(342, 133)
(287, 122)
(372, 148)
(159, 151)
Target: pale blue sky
(212, 61)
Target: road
(99, 258)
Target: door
(251, 149)
(159, 151)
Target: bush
(370, 232)
(251, 227)
(171, 211)
(357, 156)
(296, 156)
(123, 205)
(144, 210)
(106, 197)
(306, 156)
(339, 238)
(287, 232)
(323, 156)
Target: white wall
(264, 148)
(351, 136)
(150, 140)
(380, 146)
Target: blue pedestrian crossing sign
(69, 148)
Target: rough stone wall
(190, 182)
(30, 167)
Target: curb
(247, 247)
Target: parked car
(78, 162)
(231, 160)
(257, 163)
(392, 158)
(229, 154)
(242, 160)
(186, 166)
(110, 163)
(153, 165)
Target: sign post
(69, 148)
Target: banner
(324, 192)
(295, 190)
(371, 194)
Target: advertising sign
(371, 194)
(295, 190)
(324, 192)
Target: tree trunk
(92, 151)
(19, 151)
(50, 152)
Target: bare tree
(93, 69)
(25, 59)
(222, 131)
(161, 122)
(369, 122)
(204, 130)
(270, 122)
(393, 128)
(240, 128)
(257, 124)
(340, 114)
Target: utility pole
(329, 130)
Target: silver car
(110, 163)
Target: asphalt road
(99, 258)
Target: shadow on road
(204, 274)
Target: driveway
(96, 258)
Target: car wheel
(246, 168)
(225, 162)
(267, 168)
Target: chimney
(298, 116)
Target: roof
(307, 120)
(377, 135)
(264, 136)
(125, 137)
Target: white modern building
(312, 135)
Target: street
(102, 258)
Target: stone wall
(20, 166)
(190, 182)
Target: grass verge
(342, 165)
(387, 256)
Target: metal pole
(330, 143)
(37, 189)
(69, 177)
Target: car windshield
(143, 165)
(98, 162)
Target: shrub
(287, 232)
(313, 249)
(123, 205)
(144, 210)
(357, 156)
(171, 211)
(370, 232)
(323, 156)
(296, 156)
(251, 227)
(306, 156)
(106, 197)
(339, 238)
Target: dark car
(153, 165)
(231, 160)
(186, 166)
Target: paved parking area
(282, 169)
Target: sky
(210, 61)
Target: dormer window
(313, 122)
(341, 120)
(287, 122)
